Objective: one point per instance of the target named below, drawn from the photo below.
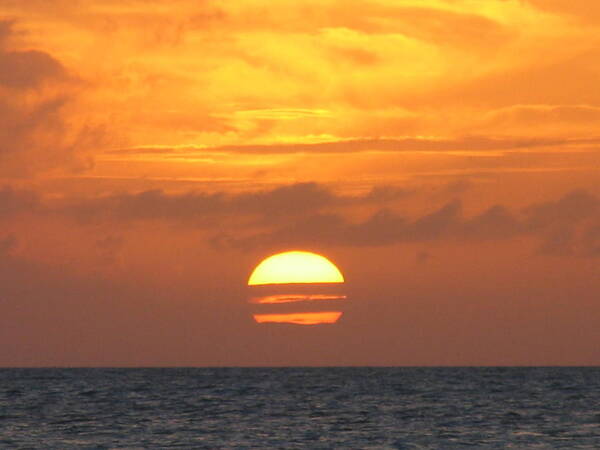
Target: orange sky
(444, 153)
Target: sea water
(300, 408)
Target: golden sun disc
(295, 267)
(298, 288)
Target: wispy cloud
(471, 144)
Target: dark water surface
(300, 408)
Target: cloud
(570, 209)
(25, 69)
(462, 29)
(358, 59)
(28, 69)
(37, 135)
(464, 144)
(5, 31)
(426, 22)
(534, 83)
(566, 120)
(362, 61)
(532, 114)
(570, 224)
(580, 10)
(496, 222)
(567, 226)
(572, 241)
(384, 227)
(196, 207)
(312, 215)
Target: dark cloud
(281, 202)
(193, 206)
(570, 225)
(436, 224)
(28, 125)
(286, 200)
(496, 222)
(385, 227)
(36, 135)
(571, 209)
(28, 68)
(311, 215)
(570, 240)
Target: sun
(296, 287)
(295, 267)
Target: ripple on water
(301, 407)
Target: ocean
(317, 408)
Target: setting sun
(296, 287)
(295, 267)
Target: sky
(444, 154)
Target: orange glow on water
(275, 299)
(311, 318)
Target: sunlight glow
(311, 318)
(295, 267)
(292, 298)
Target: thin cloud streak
(467, 144)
